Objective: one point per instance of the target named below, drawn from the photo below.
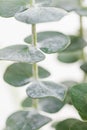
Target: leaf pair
(51, 104)
(47, 104)
(48, 42)
(19, 74)
(26, 120)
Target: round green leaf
(69, 57)
(19, 74)
(50, 42)
(79, 126)
(26, 120)
(21, 53)
(82, 11)
(84, 67)
(8, 8)
(77, 43)
(68, 5)
(79, 97)
(46, 89)
(50, 104)
(68, 85)
(36, 15)
(27, 102)
(71, 124)
(83, 116)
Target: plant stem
(34, 43)
(34, 66)
(81, 27)
(83, 54)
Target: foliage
(45, 95)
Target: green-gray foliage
(46, 96)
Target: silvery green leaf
(82, 11)
(19, 74)
(67, 57)
(26, 120)
(21, 53)
(77, 43)
(35, 15)
(50, 41)
(44, 89)
(8, 8)
(68, 5)
(50, 104)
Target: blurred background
(13, 32)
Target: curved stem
(81, 27)
(83, 54)
(34, 43)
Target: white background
(13, 32)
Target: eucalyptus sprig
(46, 96)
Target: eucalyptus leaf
(26, 120)
(35, 15)
(77, 44)
(79, 126)
(68, 5)
(44, 89)
(84, 67)
(83, 116)
(79, 97)
(50, 41)
(82, 11)
(71, 124)
(21, 53)
(50, 104)
(69, 57)
(19, 74)
(69, 84)
(8, 8)
(27, 102)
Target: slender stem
(34, 43)
(83, 54)
(81, 27)
(34, 66)
(82, 35)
